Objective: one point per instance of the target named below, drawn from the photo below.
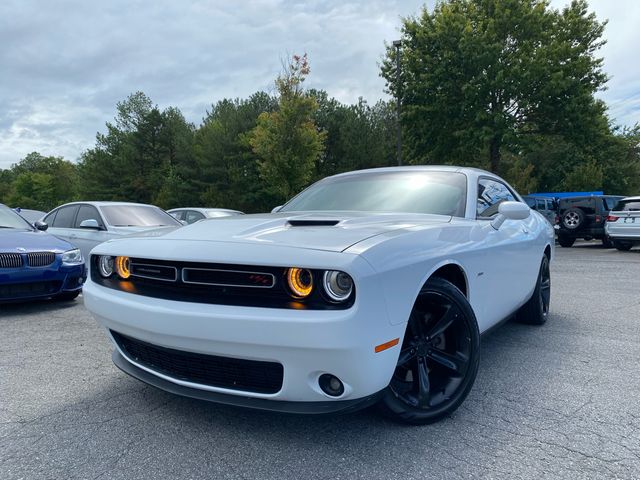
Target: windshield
(137, 216)
(10, 219)
(442, 193)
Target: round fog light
(331, 385)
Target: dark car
(35, 264)
(547, 206)
(584, 217)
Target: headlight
(123, 267)
(337, 285)
(72, 257)
(105, 266)
(300, 282)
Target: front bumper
(307, 343)
(315, 407)
(28, 283)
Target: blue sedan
(34, 264)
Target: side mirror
(41, 226)
(90, 223)
(510, 211)
(276, 209)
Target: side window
(49, 219)
(87, 212)
(179, 215)
(491, 194)
(530, 201)
(192, 216)
(64, 218)
(541, 204)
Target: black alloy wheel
(439, 357)
(536, 310)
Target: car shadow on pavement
(36, 306)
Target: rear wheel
(565, 241)
(622, 246)
(439, 358)
(536, 310)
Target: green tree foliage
(227, 167)
(40, 182)
(357, 136)
(142, 157)
(287, 141)
(481, 76)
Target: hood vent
(313, 223)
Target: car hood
(24, 241)
(329, 231)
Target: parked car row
(612, 219)
(42, 255)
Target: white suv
(623, 223)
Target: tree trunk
(494, 155)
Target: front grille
(223, 372)
(41, 259)
(10, 260)
(216, 283)
(27, 290)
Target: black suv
(584, 217)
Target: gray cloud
(66, 64)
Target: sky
(64, 65)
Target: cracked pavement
(551, 402)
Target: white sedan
(87, 224)
(368, 287)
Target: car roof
(418, 168)
(104, 204)
(631, 198)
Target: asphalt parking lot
(558, 401)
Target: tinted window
(490, 195)
(64, 217)
(192, 216)
(628, 206)
(541, 204)
(441, 193)
(611, 202)
(87, 212)
(137, 216)
(49, 219)
(10, 219)
(530, 201)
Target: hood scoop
(312, 223)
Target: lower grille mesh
(26, 290)
(214, 371)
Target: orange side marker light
(384, 346)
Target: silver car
(193, 215)
(87, 224)
(623, 223)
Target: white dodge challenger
(367, 287)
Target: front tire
(536, 310)
(566, 242)
(67, 296)
(439, 357)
